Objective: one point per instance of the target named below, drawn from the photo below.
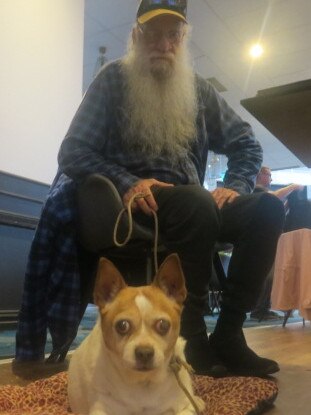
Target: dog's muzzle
(144, 357)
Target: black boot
(239, 358)
(197, 350)
(202, 358)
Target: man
(263, 184)
(262, 311)
(263, 179)
(147, 122)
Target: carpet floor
(7, 335)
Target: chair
(218, 279)
(95, 232)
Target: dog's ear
(171, 280)
(108, 282)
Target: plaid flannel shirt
(95, 144)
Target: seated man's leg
(253, 224)
(189, 225)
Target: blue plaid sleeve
(83, 151)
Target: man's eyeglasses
(151, 35)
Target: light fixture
(256, 51)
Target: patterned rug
(7, 336)
(231, 396)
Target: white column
(41, 52)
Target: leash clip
(175, 365)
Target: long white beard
(161, 104)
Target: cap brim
(158, 12)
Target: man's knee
(271, 211)
(191, 206)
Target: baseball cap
(149, 9)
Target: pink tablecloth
(292, 274)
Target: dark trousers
(190, 224)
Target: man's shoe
(202, 358)
(239, 359)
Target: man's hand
(222, 195)
(148, 203)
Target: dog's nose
(144, 354)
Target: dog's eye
(162, 326)
(123, 326)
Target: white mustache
(168, 56)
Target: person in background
(147, 122)
(262, 310)
(263, 183)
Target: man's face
(160, 40)
(264, 178)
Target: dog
(125, 365)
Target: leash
(176, 364)
(130, 229)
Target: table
(291, 288)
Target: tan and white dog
(124, 366)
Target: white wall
(41, 52)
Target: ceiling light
(256, 51)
